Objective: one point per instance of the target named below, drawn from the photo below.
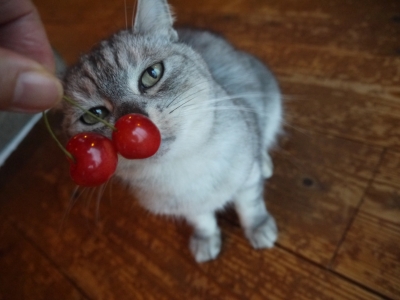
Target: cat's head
(142, 70)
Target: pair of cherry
(93, 157)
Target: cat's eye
(99, 111)
(151, 75)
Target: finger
(22, 31)
(25, 85)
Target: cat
(218, 109)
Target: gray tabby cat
(218, 110)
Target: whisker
(221, 108)
(236, 96)
(134, 13)
(100, 194)
(302, 131)
(179, 95)
(126, 15)
(229, 97)
(90, 197)
(291, 98)
(110, 189)
(191, 99)
(72, 201)
(172, 101)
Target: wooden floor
(335, 192)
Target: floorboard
(335, 190)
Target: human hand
(27, 81)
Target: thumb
(26, 86)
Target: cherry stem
(73, 102)
(46, 121)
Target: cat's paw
(267, 166)
(205, 248)
(264, 235)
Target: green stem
(46, 121)
(72, 102)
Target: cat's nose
(130, 108)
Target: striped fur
(218, 109)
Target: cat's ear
(154, 17)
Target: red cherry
(136, 136)
(95, 159)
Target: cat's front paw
(205, 248)
(267, 166)
(264, 235)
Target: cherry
(136, 136)
(94, 159)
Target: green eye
(99, 111)
(151, 75)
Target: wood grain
(352, 62)
(318, 183)
(370, 253)
(368, 119)
(114, 248)
(26, 273)
(335, 191)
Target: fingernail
(36, 91)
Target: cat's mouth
(165, 145)
(168, 140)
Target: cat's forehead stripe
(113, 70)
